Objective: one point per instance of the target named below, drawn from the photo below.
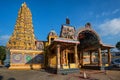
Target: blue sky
(104, 15)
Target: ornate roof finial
(67, 20)
(88, 25)
(52, 33)
(24, 4)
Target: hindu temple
(68, 52)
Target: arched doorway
(89, 44)
(88, 40)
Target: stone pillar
(99, 57)
(66, 58)
(90, 57)
(79, 58)
(82, 56)
(76, 56)
(63, 58)
(58, 57)
(109, 57)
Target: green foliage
(118, 45)
(2, 53)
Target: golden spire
(23, 36)
(24, 4)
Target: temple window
(52, 39)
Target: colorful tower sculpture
(67, 31)
(23, 47)
(23, 36)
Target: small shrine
(62, 50)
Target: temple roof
(69, 25)
(64, 43)
(66, 40)
(52, 33)
(104, 46)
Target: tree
(118, 45)
(2, 53)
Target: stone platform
(63, 71)
(96, 67)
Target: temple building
(65, 53)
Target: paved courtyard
(6, 74)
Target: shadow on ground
(1, 77)
(11, 79)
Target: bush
(2, 53)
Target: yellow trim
(26, 51)
(72, 65)
(26, 67)
(65, 67)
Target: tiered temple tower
(23, 36)
(24, 50)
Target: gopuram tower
(24, 50)
(23, 36)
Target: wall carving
(68, 32)
(16, 58)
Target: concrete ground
(6, 74)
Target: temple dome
(52, 33)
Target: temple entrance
(88, 40)
(91, 47)
(89, 44)
(71, 58)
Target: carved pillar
(99, 57)
(90, 57)
(76, 56)
(66, 57)
(109, 57)
(63, 58)
(82, 56)
(58, 57)
(79, 58)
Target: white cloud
(108, 13)
(104, 14)
(115, 11)
(110, 27)
(4, 39)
